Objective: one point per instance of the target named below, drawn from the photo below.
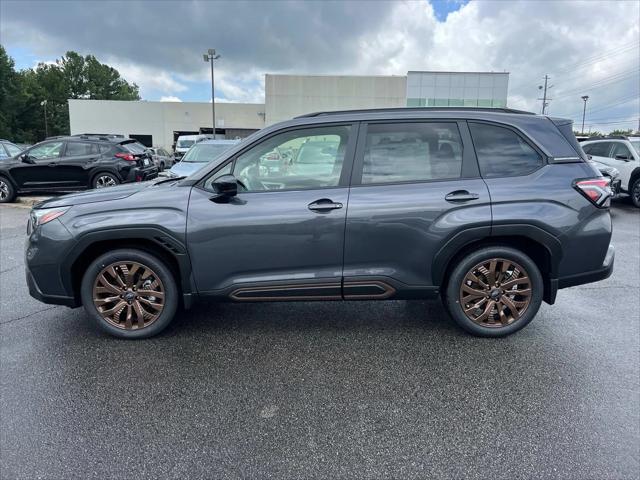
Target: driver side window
(46, 151)
(300, 159)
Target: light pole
(210, 56)
(584, 110)
(46, 126)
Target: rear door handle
(461, 196)
(324, 205)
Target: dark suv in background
(75, 163)
(494, 210)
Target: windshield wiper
(170, 179)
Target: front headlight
(41, 216)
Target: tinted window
(621, 150)
(12, 149)
(77, 149)
(400, 152)
(46, 150)
(3, 153)
(105, 148)
(599, 149)
(502, 152)
(300, 159)
(134, 147)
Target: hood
(184, 169)
(91, 196)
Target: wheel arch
(635, 175)
(544, 249)
(153, 241)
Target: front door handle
(461, 196)
(324, 205)
(52, 164)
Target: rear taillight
(126, 156)
(597, 190)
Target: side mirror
(622, 157)
(27, 159)
(224, 187)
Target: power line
(601, 83)
(600, 56)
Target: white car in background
(185, 142)
(620, 152)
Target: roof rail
(608, 137)
(418, 109)
(56, 136)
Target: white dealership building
(159, 123)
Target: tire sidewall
(12, 190)
(167, 278)
(635, 200)
(462, 268)
(94, 181)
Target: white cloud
(169, 98)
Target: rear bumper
(555, 284)
(593, 276)
(141, 174)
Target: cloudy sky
(587, 48)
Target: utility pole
(584, 110)
(46, 126)
(210, 56)
(545, 100)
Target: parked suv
(620, 152)
(75, 163)
(493, 210)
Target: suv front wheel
(129, 294)
(494, 291)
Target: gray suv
(493, 210)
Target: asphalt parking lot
(332, 390)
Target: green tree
(72, 76)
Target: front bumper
(35, 292)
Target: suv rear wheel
(494, 292)
(104, 179)
(129, 294)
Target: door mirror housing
(224, 187)
(27, 159)
(622, 157)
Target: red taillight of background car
(126, 156)
(597, 190)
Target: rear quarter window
(502, 152)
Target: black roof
(107, 137)
(418, 109)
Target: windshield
(636, 144)
(204, 152)
(185, 143)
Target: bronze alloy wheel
(495, 293)
(128, 295)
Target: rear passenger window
(502, 152)
(78, 149)
(405, 152)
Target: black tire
(7, 190)
(156, 266)
(161, 169)
(464, 266)
(635, 192)
(104, 179)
